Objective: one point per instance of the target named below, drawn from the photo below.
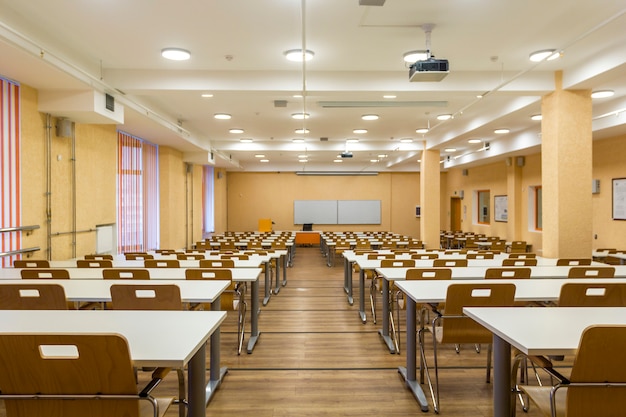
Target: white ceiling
(237, 55)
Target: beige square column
(566, 172)
(430, 191)
(514, 200)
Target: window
(137, 194)
(482, 209)
(208, 219)
(10, 196)
(538, 215)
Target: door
(455, 214)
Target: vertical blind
(137, 194)
(10, 168)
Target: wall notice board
(337, 211)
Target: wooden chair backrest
(573, 261)
(87, 364)
(612, 260)
(458, 328)
(31, 263)
(500, 245)
(94, 263)
(161, 263)
(479, 256)
(229, 298)
(32, 297)
(217, 263)
(381, 256)
(103, 257)
(425, 256)
(428, 273)
(591, 272)
(189, 256)
(240, 257)
(522, 255)
(449, 262)
(145, 297)
(585, 294)
(125, 273)
(518, 246)
(519, 262)
(513, 273)
(139, 256)
(396, 263)
(599, 358)
(166, 251)
(35, 273)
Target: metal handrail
(18, 229)
(19, 251)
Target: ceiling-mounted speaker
(64, 128)
(520, 161)
(461, 194)
(371, 2)
(595, 187)
(109, 102)
(465, 173)
(280, 103)
(508, 162)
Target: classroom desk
(553, 331)
(239, 275)
(431, 291)
(183, 346)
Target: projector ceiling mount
(423, 65)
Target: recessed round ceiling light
(389, 96)
(475, 141)
(297, 55)
(264, 160)
(602, 94)
(297, 140)
(245, 140)
(382, 156)
(373, 160)
(302, 131)
(207, 95)
(369, 117)
(501, 131)
(352, 140)
(406, 140)
(359, 131)
(175, 54)
(444, 117)
(414, 56)
(450, 150)
(259, 155)
(337, 160)
(547, 54)
(222, 116)
(303, 160)
(421, 130)
(236, 130)
(302, 156)
(300, 116)
(535, 117)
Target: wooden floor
(315, 358)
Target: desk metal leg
(362, 295)
(284, 271)
(278, 267)
(268, 282)
(347, 280)
(254, 316)
(502, 404)
(409, 373)
(384, 332)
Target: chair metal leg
(420, 338)
(241, 325)
(373, 298)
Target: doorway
(455, 214)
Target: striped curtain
(208, 219)
(137, 194)
(10, 168)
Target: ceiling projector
(429, 70)
(346, 154)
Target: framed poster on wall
(501, 210)
(619, 198)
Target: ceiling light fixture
(297, 55)
(337, 160)
(444, 117)
(236, 130)
(389, 96)
(406, 140)
(501, 131)
(175, 54)
(475, 141)
(264, 160)
(414, 56)
(302, 131)
(207, 95)
(222, 116)
(421, 130)
(544, 54)
(369, 117)
(535, 117)
(602, 94)
(450, 150)
(359, 131)
(352, 140)
(300, 116)
(259, 155)
(246, 140)
(297, 140)
(373, 160)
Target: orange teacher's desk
(307, 238)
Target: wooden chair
(453, 327)
(165, 251)
(518, 246)
(232, 299)
(479, 256)
(189, 256)
(161, 263)
(152, 297)
(612, 260)
(586, 294)
(375, 285)
(573, 261)
(519, 262)
(32, 297)
(31, 263)
(217, 263)
(240, 257)
(398, 300)
(513, 273)
(522, 255)
(125, 273)
(103, 257)
(591, 272)
(94, 263)
(449, 263)
(95, 377)
(499, 245)
(425, 256)
(35, 273)
(597, 382)
(381, 256)
(138, 256)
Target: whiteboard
(358, 212)
(315, 211)
(336, 211)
